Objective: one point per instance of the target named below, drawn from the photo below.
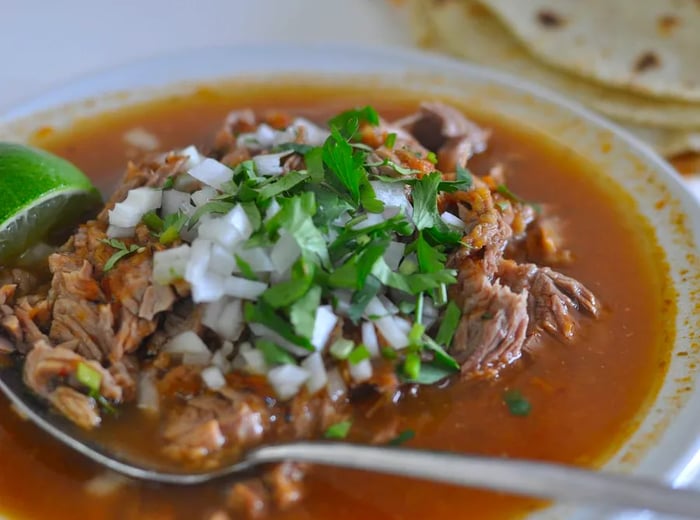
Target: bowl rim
(685, 464)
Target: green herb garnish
(274, 354)
(402, 438)
(359, 354)
(122, 251)
(448, 325)
(338, 430)
(516, 403)
(88, 376)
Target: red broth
(586, 397)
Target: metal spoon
(529, 478)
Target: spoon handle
(534, 479)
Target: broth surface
(586, 397)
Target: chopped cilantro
(169, 183)
(516, 403)
(278, 185)
(412, 366)
(366, 114)
(262, 313)
(122, 251)
(274, 354)
(88, 376)
(448, 325)
(389, 353)
(402, 438)
(153, 221)
(430, 373)
(390, 140)
(302, 313)
(338, 430)
(245, 268)
(464, 177)
(431, 158)
(358, 354)
(362, 297)
(341, 348)
(425, 212)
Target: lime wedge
(39, 193)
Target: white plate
(667, 444)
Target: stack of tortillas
(636, 61)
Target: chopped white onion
(369, 338)
(221, 261)
(286, 380)
(243, 288)
(203, 195)
(391, 212)
(267, 333)
(390, 307)
(174, 201)
(336, 387)
(213, 378)
(239, 220)
(138, 202)
(324, 323)
(392, 194)
(120, 232)
(207, 288)
(225, 317)
(360, 372)
(394, 254)
(253, 361)
(313, 134)
(372, 220)
(285, 252)
(212, 173)
(148, 396)
(193, 156)
(227, 348)
(141, 138)
(269, 164)
(272, 209)
(186, 343)
(375, 309)
(392, 331)
(170, 264)
(343, 301)
(196, 359)
(263, 137)
(317, 372)
(452, 220)
(257, 257)
(219, 360)
(218, 230)
(404, 325)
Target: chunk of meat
(47, 367)
(156, 298)
(285, 483)
(544, 243)
(494, 323)
(192, 434)
(552, 297)
(248, 499)
(195, 442)
(77, 407)
(23, 281)
(446, 130)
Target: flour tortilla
(647, 46)
(467, 29)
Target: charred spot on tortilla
(667, 23)
(549, 18)
(647, 60)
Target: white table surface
(44, 43)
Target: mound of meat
(117, 320)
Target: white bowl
(666, 445)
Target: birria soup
(277, 264)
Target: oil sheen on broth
(586, 397)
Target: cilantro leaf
(274, 354)
(264, 314)
(302, 313)
(278, 185)
(464, 177)
(402, 437)
(430, 373)
(361, 298)
(344, 163)
(516, 403)
(448, 325)
(338, 430)
(122, 251)
(365, 114)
